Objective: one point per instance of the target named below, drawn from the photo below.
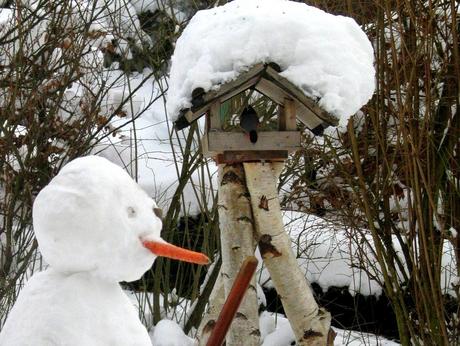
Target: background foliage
(391, 177)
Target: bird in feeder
(249, 122)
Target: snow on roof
(329, 57)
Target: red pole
(233, 301)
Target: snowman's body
(58, 309)
(95, 227)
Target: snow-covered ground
(329, 259)
(274, 328)
(275, 331)
(332, 256)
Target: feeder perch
(231, 147)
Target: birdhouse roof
(266, 79)
(328, 58)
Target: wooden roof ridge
(203, 100)
(265, 78)
(271, 74)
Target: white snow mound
(329, 57)
(168, 333)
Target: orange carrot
(175, 252)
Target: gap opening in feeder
(266, 109)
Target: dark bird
(249, 122)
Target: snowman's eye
(158, 212)
(131, 212)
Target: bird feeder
(250, 212)
(271, 145)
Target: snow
(88, 222)
(72, 309)
(276, 331)
(146, 149)
(354, 338)
(87, 207)
(168, 333)
(329, 57)
(325, 254)
(145, 5)
(330, 257)
(6, 15)
(261, 299)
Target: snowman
(95, 227)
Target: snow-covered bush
(82, 77)
(392, 174)
(60, 95)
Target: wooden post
(310, 324)
(237, 243)
(287, 116)
(214, 118)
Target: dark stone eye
(131, 212)
(158, 212)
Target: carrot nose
(175, 252)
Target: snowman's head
(92, 217)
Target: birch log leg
(310, 324)
(237, 243)
(216, 301)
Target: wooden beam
(197, 97)
(293, 90)
(307, 117)
(219, 141)
(205, 146)
(231, 157)
(271, 90)
(191, 115)
(287, 115)
(226, 91)
(244, 81)
(246, 85)
(214, 116)
(290, 114)
(278, 95)
(213, 123)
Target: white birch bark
(237, 243)
(216, 301)
(310, 324)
